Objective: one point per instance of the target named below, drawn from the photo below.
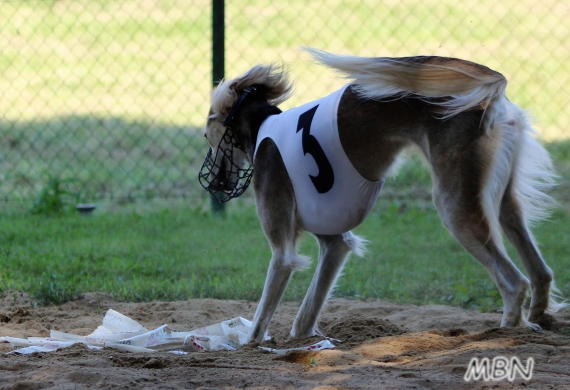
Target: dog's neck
(249, 122)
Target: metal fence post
(218, 65)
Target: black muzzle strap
(235, 108)
(229, 180)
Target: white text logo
(499, 368)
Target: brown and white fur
(489, 173)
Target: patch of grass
(181, 252)
(53, 199)
(560, 152)
(54, 292)
(414, 259)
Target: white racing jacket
(332, 197)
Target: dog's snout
(223, 174)
(219, 181)
(216, 185)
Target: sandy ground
(384, 346)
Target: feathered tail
(463, 84)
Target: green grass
(141, 253)
(127, 59)
(109, 97)
(114, 93)
(525, 40)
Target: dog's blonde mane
(272, 79)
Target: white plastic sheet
(125, 334)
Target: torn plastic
(125, 334)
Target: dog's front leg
(275, 202)
(283, 263)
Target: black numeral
(324, 181)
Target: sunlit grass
(152, 58)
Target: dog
(320, 167)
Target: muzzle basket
(231, 180)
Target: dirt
(384, 345)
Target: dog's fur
(489, 173)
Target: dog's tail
(461, 84)
(522, 166)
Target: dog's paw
(532, 326)
(302, 335)
(544, 320)
(298, 332)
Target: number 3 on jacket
(325, 179)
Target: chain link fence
(110, 96)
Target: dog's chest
(332, 197)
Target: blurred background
(106, 100)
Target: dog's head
(226, 163)
(227, 170)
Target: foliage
(54, 199)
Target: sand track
(384, 346)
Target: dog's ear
(271, 81)
(223, 98)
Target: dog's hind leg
(333, 252)
(471, 227)
(539, 273)
(525, 200)
(471, 170)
